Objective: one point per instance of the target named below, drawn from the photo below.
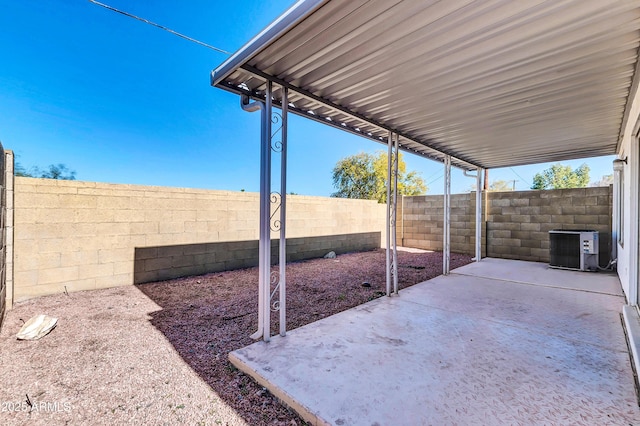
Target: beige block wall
(6, 231)
(166, 262)
(517, 222)
(421, 218)
(78, 235)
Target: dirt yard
(157, 353)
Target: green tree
(20, 171)
(364, 176)
(605, 180)
(501, 185)
(53, 171)
(560, 177)
(497, 186)
(57, 171)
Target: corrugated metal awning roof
(492, 83)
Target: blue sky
(121, 101)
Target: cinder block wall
(78, 235)
(517, 222)
(6, 229)
(421, 218)
(166, 262)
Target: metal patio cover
(492, 83)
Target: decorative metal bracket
(275, 287)
(276, 144)
(275, 222)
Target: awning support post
(264, 261)
(394, 215)
(282, 305)
(392, 203)
(446, 243)
(388, 233)
(271, 202)
(479, 174)
(264, 246)
(264, 138)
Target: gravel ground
(157, 353)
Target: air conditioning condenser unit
(577, 250)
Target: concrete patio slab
(541, 274)
(572, 314)
(461, 349)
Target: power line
(161, 27)
(433, 174)
(521, 178)
(438, 178)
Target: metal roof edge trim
(635, 83)
(460, 164)
(335, 125)
(353, 114)
(296, 13)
